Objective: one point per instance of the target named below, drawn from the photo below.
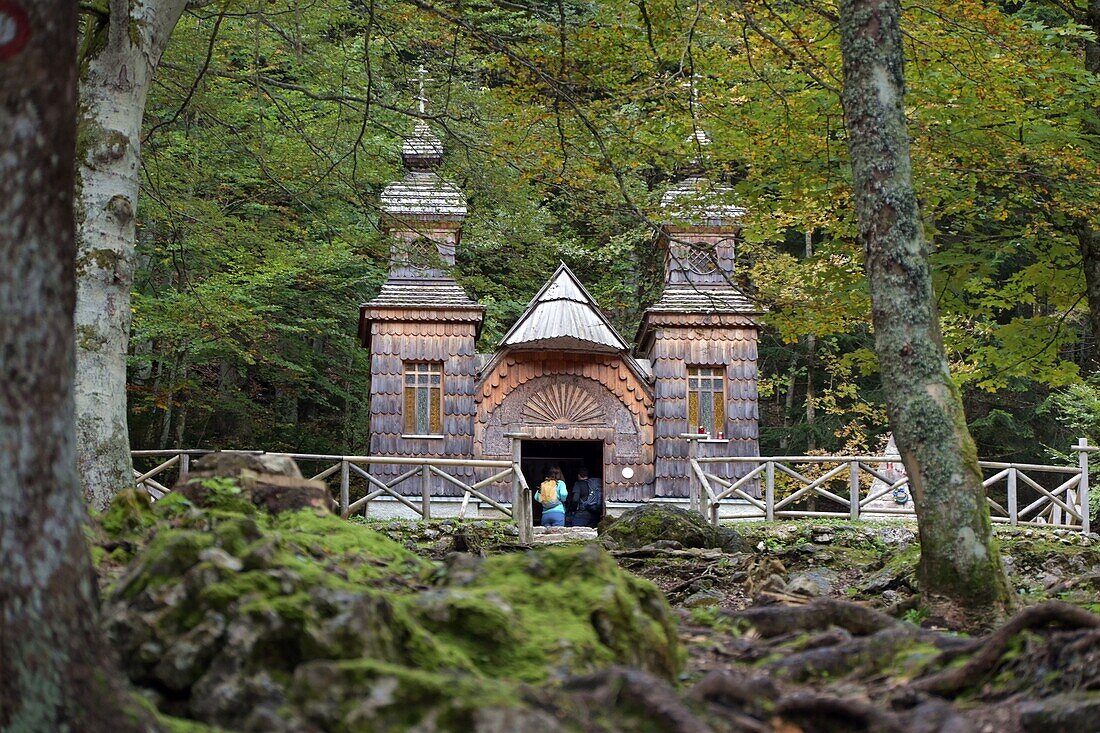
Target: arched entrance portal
(572, 420)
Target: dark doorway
(538, 456)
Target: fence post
(185, 466)
(425, 492)
(853, 489)
(521, 504)
(345, 486)
(694, 489)
(1083, 488)
(1013, 505)
(769, 491)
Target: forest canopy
(272, 128)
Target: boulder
(1068, 713)
(240, 618)
(267, 481)
(654, 522)
(816, 582)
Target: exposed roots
(993, 647)
(826, 711)
(642, 691)
(822, 613)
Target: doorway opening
(538, 456)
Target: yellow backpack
(548, 493)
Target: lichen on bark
(959, 566)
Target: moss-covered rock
(229, 613)
(557, 612)
(643, 525)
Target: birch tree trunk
(959, 568)
(53, 676)
(121, 50)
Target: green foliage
(259, 232)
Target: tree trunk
(1088, 230)
(959, 568)
(53, 675)
(811, 356)
(120, 52)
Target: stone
(229, 464)
(1068, 713)
(703, 598)
(814, 583)
(267, 481)
(655, 522)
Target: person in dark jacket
(587, 496)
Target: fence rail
(1030, 494)
(421, 470)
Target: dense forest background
(273, 127)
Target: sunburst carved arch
(564, 404)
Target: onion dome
(696, 199)
(422, 150)
(422, 195)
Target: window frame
(715, 384)
(416, 378)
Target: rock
(566, 609)
(664, 545)
(814, 583)
(654, 522)
(822, 538)
(1068, 713)
(234, 620)
(703, 598)
(565, 534)
(235, 465)
(234, 480)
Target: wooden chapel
(562, 376)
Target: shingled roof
(422, 194)
(700, 299)
(563, 315)
(438, 292)
(699, 201)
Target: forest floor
(228, 617)
(781, 622)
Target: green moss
(402, 697)
(559, 610)
(912, 660)
(130, 512)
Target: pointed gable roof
(563, 315)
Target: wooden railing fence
(1055, 496)
(419, 469)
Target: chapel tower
(422, 328)
(700, 336)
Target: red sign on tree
(14, 29)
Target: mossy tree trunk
(52, 671)
(959, 568)
(122, 45)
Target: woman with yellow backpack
(552, 494)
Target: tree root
(993, 647)
(643, 691)
(856, 713)
(770, 621)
